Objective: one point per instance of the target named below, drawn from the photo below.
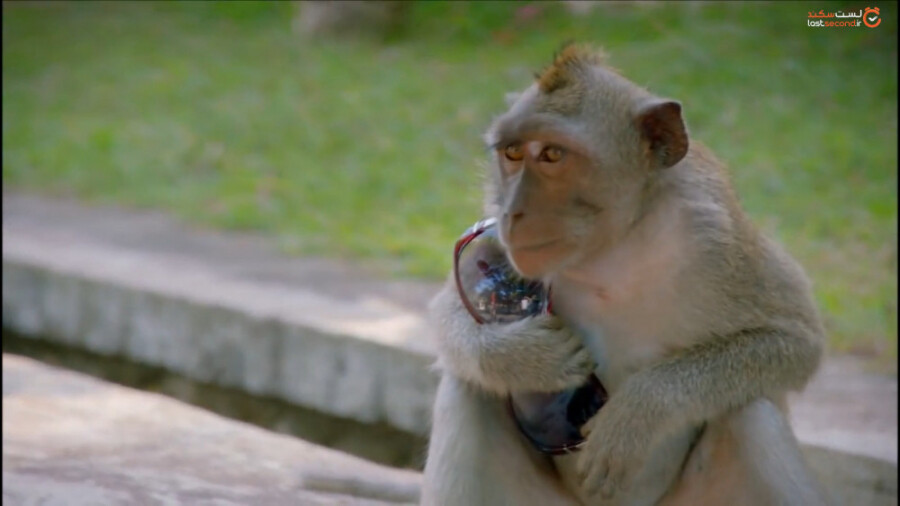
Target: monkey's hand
(535, 354)
(617, 445)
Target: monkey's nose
(514, 217)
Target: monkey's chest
(622, 339)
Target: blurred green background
(369, 147)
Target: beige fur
(697, 325)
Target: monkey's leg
(746, 458)
(477, 458)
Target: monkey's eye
(514, 153)
(551, 154)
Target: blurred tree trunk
(349, 17)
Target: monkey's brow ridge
(510, 130)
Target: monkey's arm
(724, 373)
(695, 385)
(535, 354)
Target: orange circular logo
(872, 17)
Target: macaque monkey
(696, 325)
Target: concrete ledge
(209, 341)
(69, 439)
(854, 480)
(343, 356)
(229, 310)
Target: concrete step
(70, 439)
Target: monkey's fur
(695, 323)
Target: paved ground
(71, 440)
(848, 409)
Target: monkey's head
(576, 156)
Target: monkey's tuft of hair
(571, 57)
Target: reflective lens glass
(551, 421)
(491, 289)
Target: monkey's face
(561, 193)
(573, 164)
(558, 204)
(538, 176)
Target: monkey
(695, 322)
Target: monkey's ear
(660, 124)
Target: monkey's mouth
(530, 248)
(536, 259)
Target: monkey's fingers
(612, 482)
(572, 370)
(579, 366)
(588, 426)
(592, 474)
(548, 321)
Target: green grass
(361, 149)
